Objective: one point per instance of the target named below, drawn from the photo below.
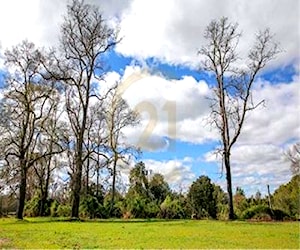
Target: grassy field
(47, 233)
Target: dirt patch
(4, 242)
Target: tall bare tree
(232, 97)
(84, 38)
(118, 117)
(25, 109)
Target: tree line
(54, 118)
(149, 196)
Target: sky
(158, 63)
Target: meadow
(60, 233)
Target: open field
(48, 233)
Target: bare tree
(25, 108)
(293, 154)
(44, 168)
(118, 117)
(84, 38)
(232, 97)
(95, 143)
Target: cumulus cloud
(277, 121)
(169, 109)
(172, 31)
(39, 21)
(19, 21)
(177, 172)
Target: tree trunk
(44, 197)
(22, 193)
(229, 186)
(42, 206)
(77, 188)
(113, 188)
(97, 183)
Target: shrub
(172, 209)
(261, 212)
(53, 208)
(89, 207)
(32, 207)
(63, 210)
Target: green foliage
(152, 209)
(90, 207)
(172, 208)
(63, 210)
(261, 212)
(138, 181)
(240, 202)
(221, 201)
(53, 208)
(136, 207)
(117, 207)
(201, 198)
(286, 197)
(32, 207)
(159, 188)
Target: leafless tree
(95, 143)
(25, 109)
(232, 97)
(85, 37)
(118, 117)
(44, 168)
(293, 154)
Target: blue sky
(160, 40)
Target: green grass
(48, 233)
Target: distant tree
(159, 188)
(286, 197)
(221, 201)
(232, 97)
(293, 154)
(138, 196)
(240, 201)
(138, 181)
(201, 198)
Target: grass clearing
(56, 233)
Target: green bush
(89, 207)
(172, 209)
(32, 207)
(53, 208)
(152, 210)
(261, 212)
(63, 210)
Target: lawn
(49, 233)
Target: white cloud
(278, 121)
(173, 30)
(19, 21)
(177, 172)
(39, 21)
(170, 109)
